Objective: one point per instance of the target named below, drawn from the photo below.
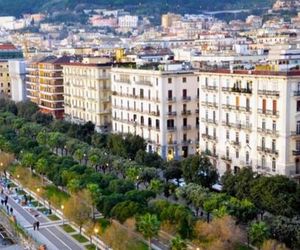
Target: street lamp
(96, 231)
(62, 208)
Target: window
(206, 130)
(273, 145)
(227, 118)
(263, 143)
(298, 105)
(184, 107)
(169, 80)
(227, 134)
(237, 137)
(247, 138)
(298, 128)
(170, 94)
(273, 165)
(274, 126)
(215, 133)
(263, 161)
(184, 93)
(247, 104)
(237, 155)
(247, 157)
(184, 79)
(214, 116)
(298, 145)
(237, 101)
(227, 152)
(274, 107)
(264, 106)
(263, 124)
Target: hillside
(18, 7)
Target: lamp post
(62, 209)
(96, 231)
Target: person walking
(34, 225)
(11, 210)
(38, 225)
(7, 209)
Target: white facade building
(128, 21)
(17, 72)
(251, 118)
(159, 104)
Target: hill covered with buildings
(18, 7)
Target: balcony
(236, 108)
(239, 126)
(171, 129)
(209, 137)
(269, 93)
(171, 99)
(267, 150)
(235, 143)
(186, 98)
(144, 82)
(186, 127)
(295, 134)
(172, 113)
(186, 142)
(226, 158)
(237, 90)
(210, 104)
(297, 93)
(270, 132)
(268, 112)
(296, 152)
(209, 88)
(209, 121)
(197, 111)
(186, 112)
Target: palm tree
(149, 226)
(41, 167)
(79, 155)
(178, 243)
(28, 160)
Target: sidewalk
(50, 234)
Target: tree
(258, 233)
(173, 171)
(148, 159)
(41, 167)
(148, 225)
(134, 143)
(213, 202)
(95, 194)
(5, 160)
(239, 184)
(273, 245)
(178, 243)
(198, 169)
(77, 209)
(28, 160)
(156, 186)
(276, 194)
(125, 210)
(221, 233)
(26, 109)
(147, 175)
(194, 193)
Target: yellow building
(87, 93)
(168, 19)
(5, 87)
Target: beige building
(159, 103)
(251, 119)
(168, 19)
(87, 94)
(5, 87)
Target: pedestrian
(2, 191)
(34, 225)
(7, 209)
(8, 186)
(11, 210)
(38, 225)
(2, 202)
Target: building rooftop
(295, 72)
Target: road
(49, 234)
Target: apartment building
(87, 93)
(159, 103)
(7, 52)
(44, 84)
(251, 119)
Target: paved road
(50, 235)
